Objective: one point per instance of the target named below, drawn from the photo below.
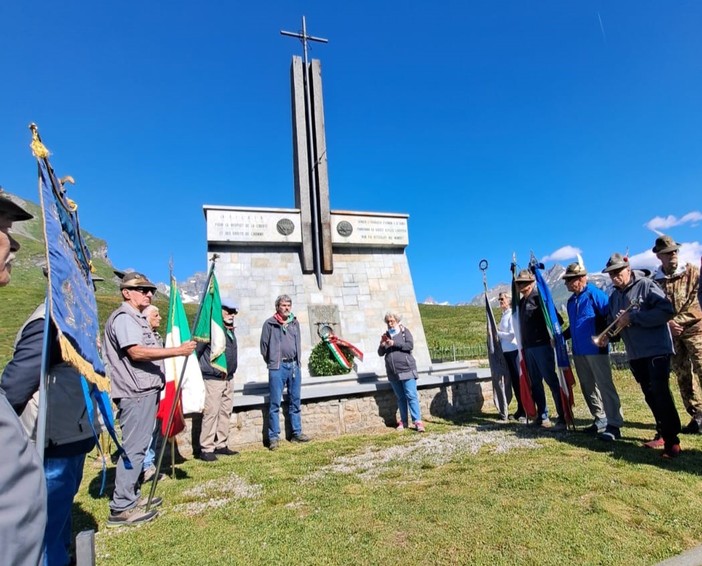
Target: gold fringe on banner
(70, 355)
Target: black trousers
(512, 359)
(653, 375)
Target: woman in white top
(508, 341)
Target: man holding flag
(540, 359)
(136, 369)
(217, 371)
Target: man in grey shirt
(22, 484)
(134, 358)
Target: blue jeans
(406, 393)
(541, 364)
(287, 375)
(63, 477)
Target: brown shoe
(131, 517)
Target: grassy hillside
(447, 326)
(19, 301)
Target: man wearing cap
(281, 350)
(134, 359)
(588, 307)
(538, 351)
(641, 312)
(219, 396)
(23, 505)
(680, 283)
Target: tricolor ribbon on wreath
(334, 343)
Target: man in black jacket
(538, 350)
(219, 396)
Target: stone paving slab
(692, 557)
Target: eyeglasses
(144, 290)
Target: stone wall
(372, 408)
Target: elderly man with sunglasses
(134, 357)
(680, 283)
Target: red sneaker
(656, 443)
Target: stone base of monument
(352, 404)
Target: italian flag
(192, 398)
(210, 327)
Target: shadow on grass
(629, 448)
(96, 483)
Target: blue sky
(500, 127)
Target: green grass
(567, 499)
(445, 326)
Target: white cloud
(562, 254)
(663, 223)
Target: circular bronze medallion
(285, 226)
(344, 228)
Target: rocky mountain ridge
(553, 277)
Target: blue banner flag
(72, 304)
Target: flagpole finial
(38, 149)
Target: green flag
(210, 327)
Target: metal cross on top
(304, 38)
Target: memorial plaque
(365, 229)
(253, 225)
(323, 315)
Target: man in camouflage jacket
(680, 283)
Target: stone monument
(341, 268)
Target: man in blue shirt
(587, 312)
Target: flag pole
(43, 381)
(179, 388)
(501, 382)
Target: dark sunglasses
(144, 290)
